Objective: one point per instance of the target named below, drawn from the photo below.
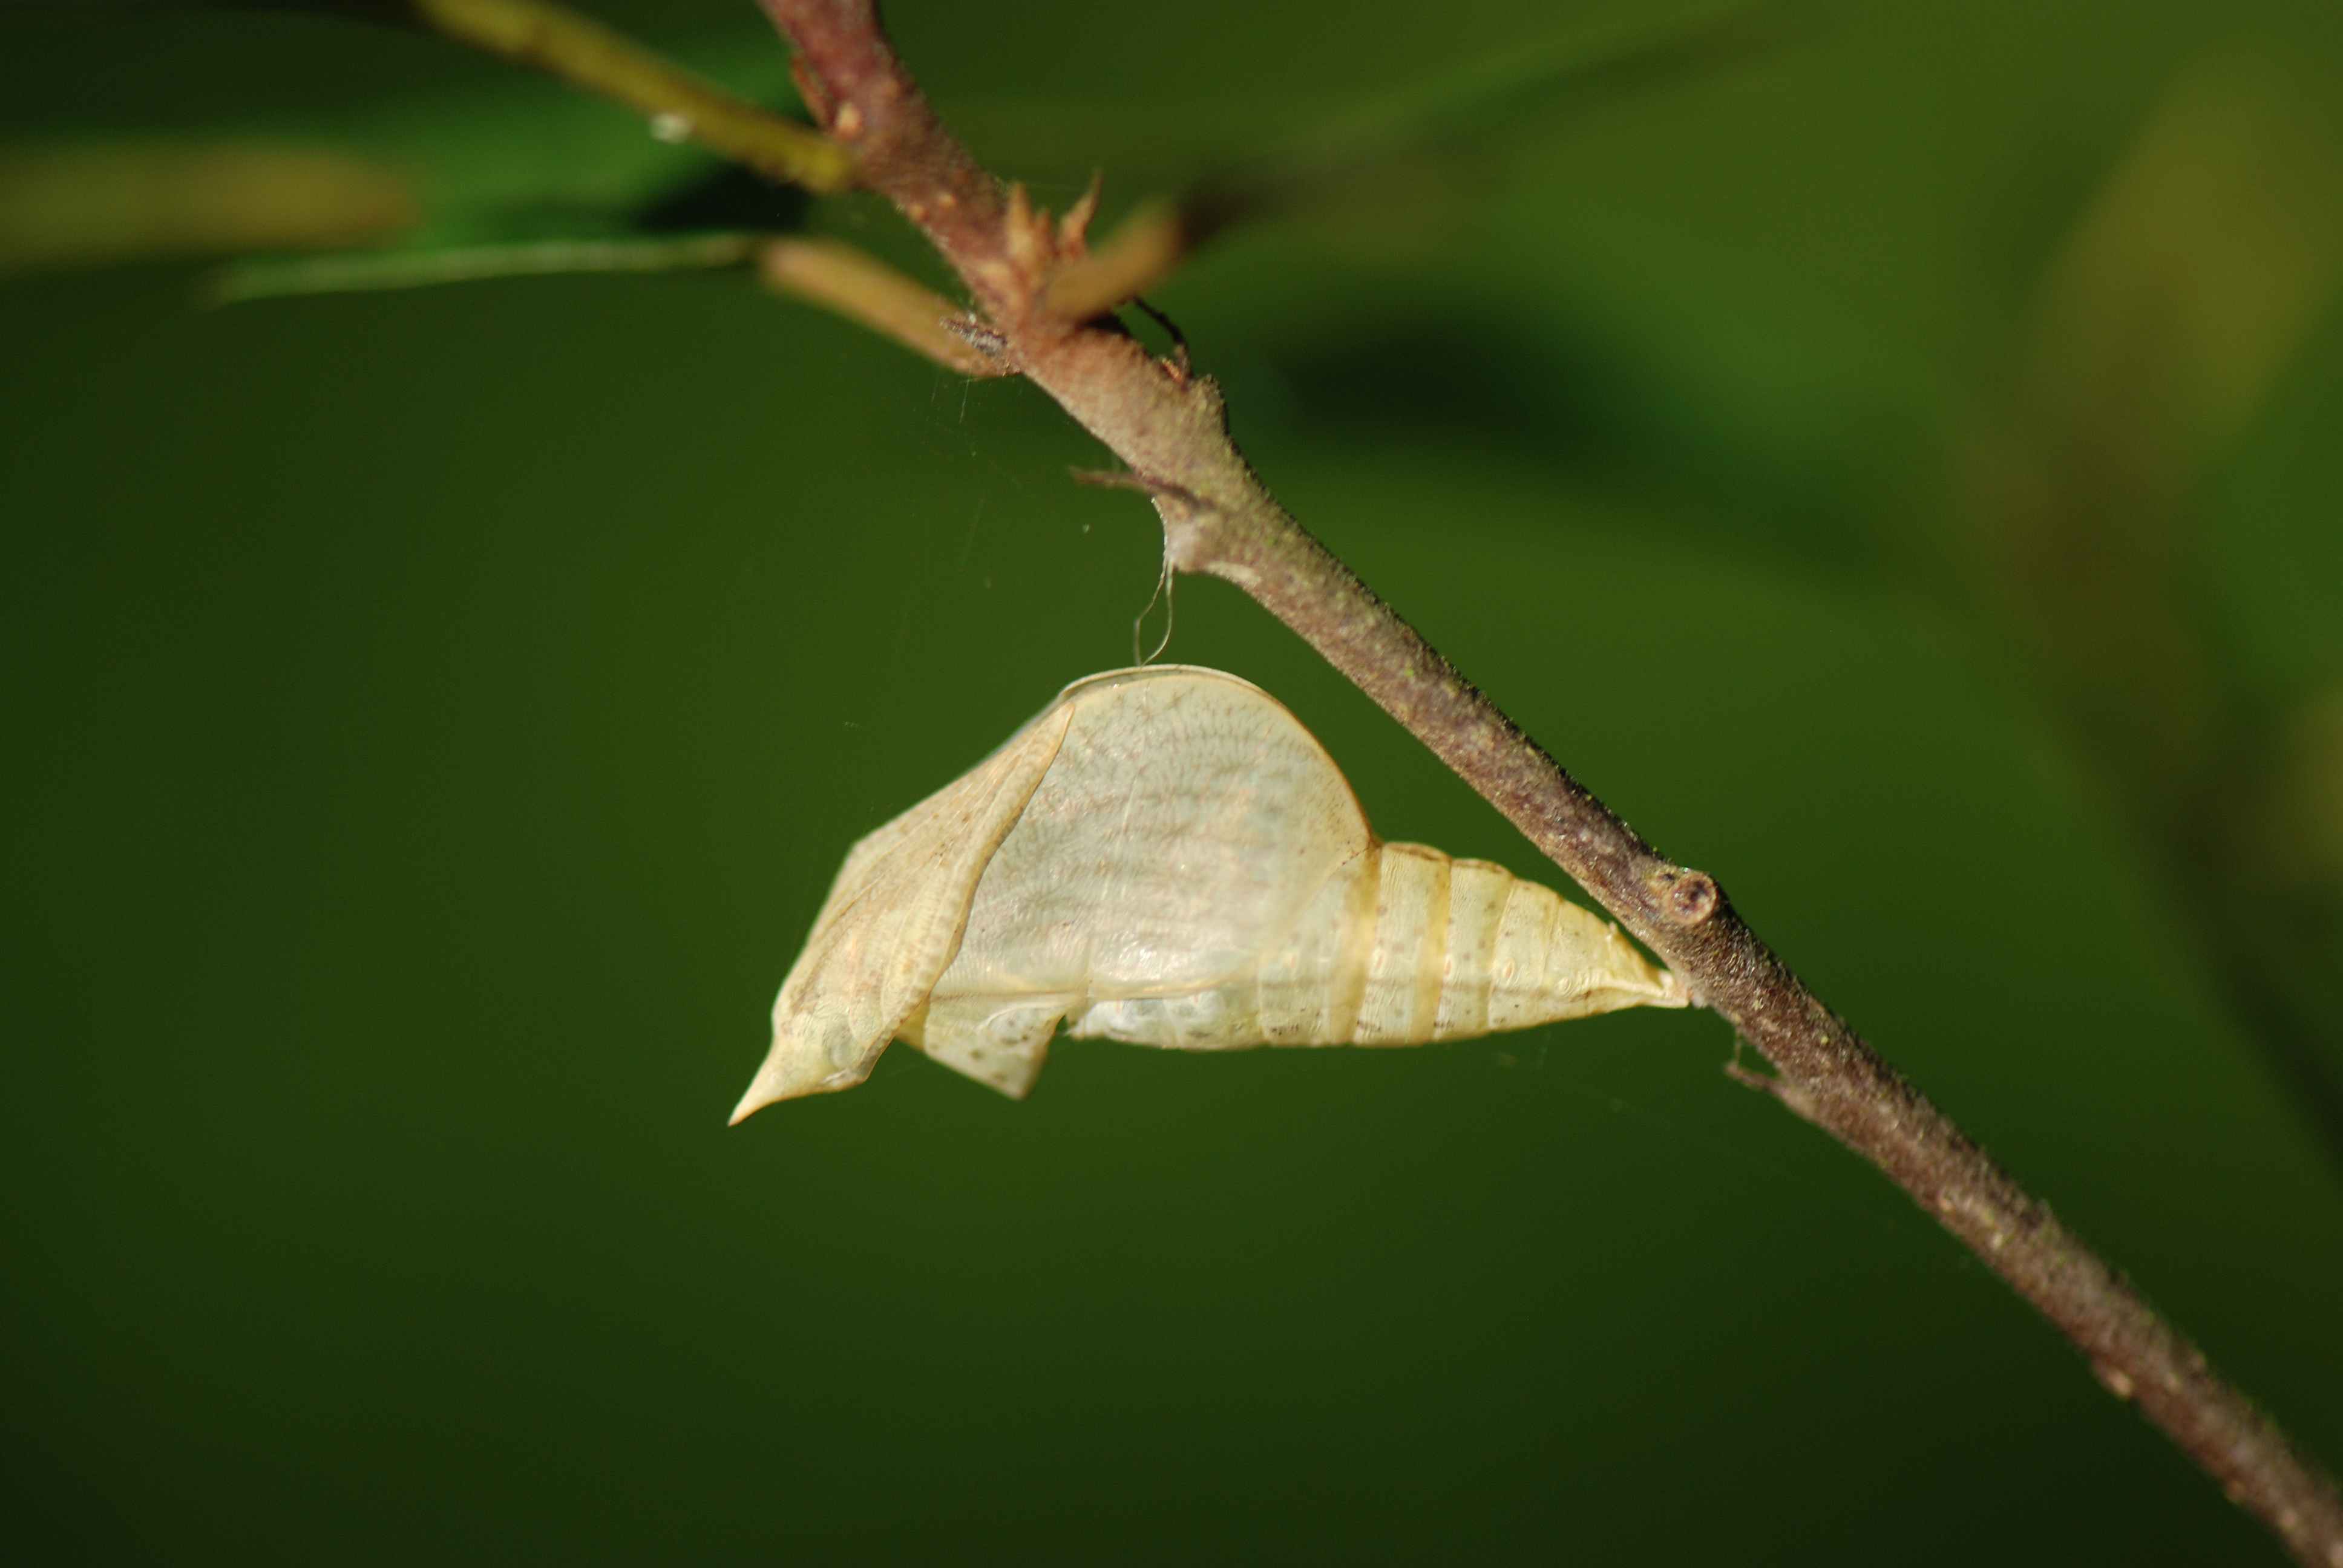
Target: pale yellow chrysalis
(1166, 857)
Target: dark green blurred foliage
(438, 715)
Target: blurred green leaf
(80, 205)
(492, 153)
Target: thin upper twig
(582, 51)
(1168, 426)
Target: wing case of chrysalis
(1166, 857)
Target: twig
(1218, 520)
(584, 52)
(1148, 248)
(825, 271)
(863, 288)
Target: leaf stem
(860, 287)
(372, 272)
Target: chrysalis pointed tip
(793, 1072)
(759, 1094)
(774, 1082)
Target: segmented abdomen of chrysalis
(1401, 946)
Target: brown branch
(1218, 520)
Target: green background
(435, 718)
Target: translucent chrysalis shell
(1166, 857)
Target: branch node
(983, 338)
(1793, 1099)
(1153, 489)
(1686, 897)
